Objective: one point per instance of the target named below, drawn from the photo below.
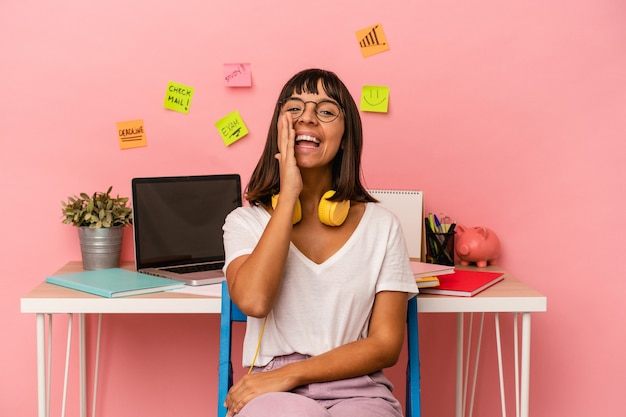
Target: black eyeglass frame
(281, 103)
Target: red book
(464, 283)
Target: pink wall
(509, 114)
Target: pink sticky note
(237, 75)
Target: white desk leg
(49, 366)
(525, 371)
(500, 367)
(516, 361)
(97, 360)
(478, 346)
(41, 365)
(82, 368)
(68, 349)
(459, 365)
(467, 346)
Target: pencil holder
(439, 247)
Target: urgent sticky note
(178, 97)
(231, 128)
(375, 98)
(372, 40)
(237, 75)
(131, 134)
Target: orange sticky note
(372, 40)
(131, 134)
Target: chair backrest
(231, 313)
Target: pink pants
(365, 396)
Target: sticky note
(237, 75)
(372, 40)
(375, 98)
(131, 134)
(231, 128)
(178, 97)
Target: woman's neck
(315, 183)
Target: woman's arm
(254, 280)
(379, 350)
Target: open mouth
(307, 141)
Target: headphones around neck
(331, 213)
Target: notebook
(407, 205)
(177, 224)
(114, 282)
(424, 269)
(464, 283)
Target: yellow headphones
(331, 213)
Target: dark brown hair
(346, 167)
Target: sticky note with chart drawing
(237, 75)
(231, 128)
(131, 134)
(375, 98)
(372, 40)
(178, 97)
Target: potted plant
(100, 219)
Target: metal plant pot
(100, 248)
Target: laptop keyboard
(195, 268)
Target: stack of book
(464, 283)
(426, 273)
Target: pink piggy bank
(476, 244)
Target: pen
(438, 223)
(450, 235)
(430, 240)
(431, 222)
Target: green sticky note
(231, 128)
(178, 97)
(375, 98)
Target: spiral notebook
(408, 206)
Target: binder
(114, 282)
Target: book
(464, 283)
(425, 282)
(424, 269)
(114, 282)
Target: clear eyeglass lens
(326, 111)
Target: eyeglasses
(325, 110)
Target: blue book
(114, 282)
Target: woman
(325, 283)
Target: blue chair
(231, 313)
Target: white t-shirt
(323, 306)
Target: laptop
(177, 223)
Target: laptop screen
(178, 220)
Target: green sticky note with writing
(231, 128)
(375, 98)
(178, 97)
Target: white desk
(510, 295)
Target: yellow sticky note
(375, 98)
(131, 134)
(178, 97)
(372, 40)
(231, 128)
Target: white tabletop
(509, 295)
